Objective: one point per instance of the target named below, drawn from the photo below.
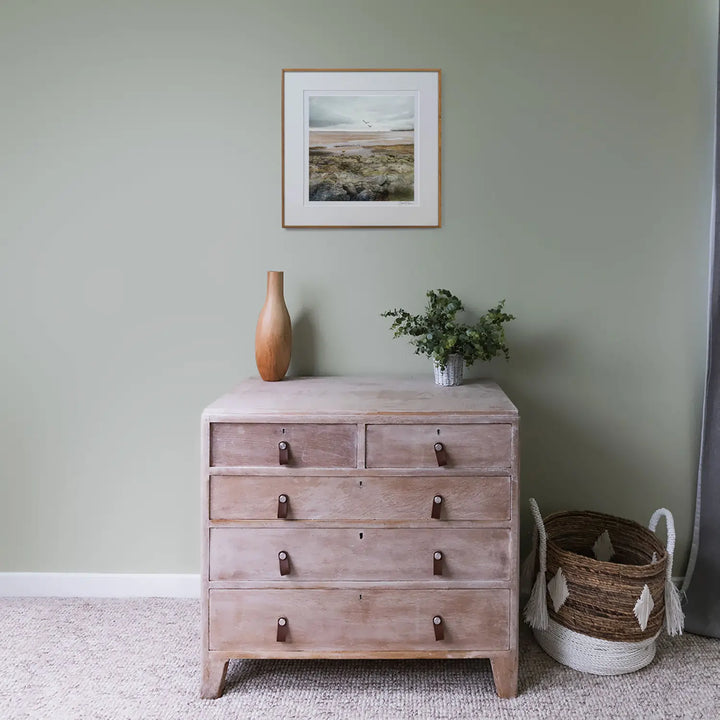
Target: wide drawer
(413, 446)
(377, 554)
(309, 445)
(371, 620)
(359, 499)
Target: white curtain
(702, 580)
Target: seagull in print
(367, 123)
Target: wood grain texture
(214, 672)
(211, 681)
(505, 674)
(506, 677)
(361, 620)
(311, 445)
(273, 334)
(353, 554)
(402, 499)
(466, 446)
(332, 399)
(334, 426)
(434, 583)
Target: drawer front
(360, 499)
(364, 620)
(413, 446)
(309, 445)
(376, 554)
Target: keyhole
(283, 431)
(361, 483)
(361, 536)
(438, 431)
(361, 596)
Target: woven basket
(453, 372)
(601, 615)
(603, 594)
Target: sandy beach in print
(361, 149)
(340, 141)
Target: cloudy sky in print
(362, 112)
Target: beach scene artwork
(361, 148)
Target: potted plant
(437, 334)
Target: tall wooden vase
(273, 336)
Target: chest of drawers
(360, 518)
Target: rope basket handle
(528, 567)
(674, 616)
(542, 535)
(670, 525)
(536, 614)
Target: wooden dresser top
(348, 397)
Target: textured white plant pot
(453, 372)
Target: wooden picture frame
(361, 148)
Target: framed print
(361, 148)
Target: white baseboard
(109, 585)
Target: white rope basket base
(593, 655)
(453, 372)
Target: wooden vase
(273, 336)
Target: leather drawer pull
(440, 454)
(282, 629)
(282, 506)
(436, 507)
(284, 559)
(437, 563)
(284, 450)
(439, 628)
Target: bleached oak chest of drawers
(360, 518)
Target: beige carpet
(63, 659)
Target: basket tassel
(674, 616)
(536, 613)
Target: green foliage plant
(437, 334)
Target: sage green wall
(140, 209)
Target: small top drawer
(304, 445)
(458, 446)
